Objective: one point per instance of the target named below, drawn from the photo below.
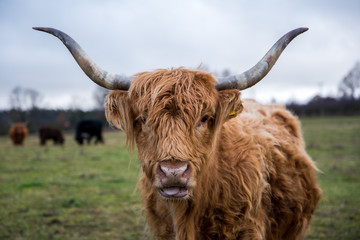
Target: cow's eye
(143, 120)
(204, 118)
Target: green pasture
(90, 192)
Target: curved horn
(93, 71)
(259, 71)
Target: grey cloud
(134, 36)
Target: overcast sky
(133, 36)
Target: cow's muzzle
(173, 179)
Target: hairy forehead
(175, 89)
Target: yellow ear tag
(232, 113)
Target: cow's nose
(174, 171)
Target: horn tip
(303, 29)
(37, 28)
(43, 29)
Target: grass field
(90, 192)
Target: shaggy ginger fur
(251, 177)
(18, 133)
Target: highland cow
(18, 133)
(214, 166)
(50, 133)
(87, 129)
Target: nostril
(173, 169)
(160, 172)
(187, 172)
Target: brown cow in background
(18, 133)
(50, 133)
(214, 166)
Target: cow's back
(291, 193)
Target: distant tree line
(25, 106)
(66, 120)
(348, 102)
(326, 106)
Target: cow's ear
(229, 105)
(119, 114)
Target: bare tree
(225, 73)
(15, 98)
(24, 99)
(33, 97)
(62, 120)
(350, 85)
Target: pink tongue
(171, 191)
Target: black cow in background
(50, 133)
(87, 129)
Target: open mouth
(174, 192)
